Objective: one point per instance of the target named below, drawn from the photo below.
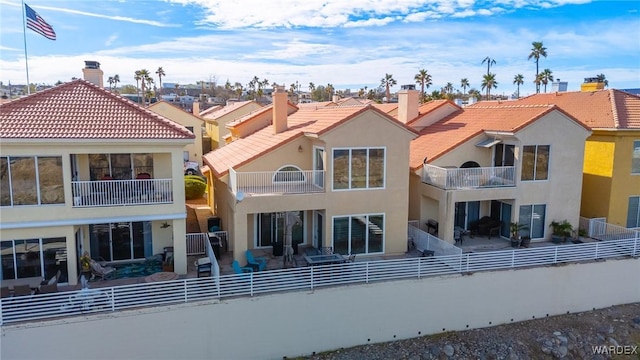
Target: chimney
(196, 108)
(335, 98)
(559, 86)
(472, 100)
(279, 110)
(408, 105)
(92, 73)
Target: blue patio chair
(258, 263)
(240, 269)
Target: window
(272, 229)
(289, 173)
(358, 168)
(121, 241)
(533, 217)
(635, 159)
(504, 155)
(31, 180)
(34, 258)
(535, 162)
(119, 166)
(633, 212)
(358, 234)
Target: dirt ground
(192, 221)
(610, 333)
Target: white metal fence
(468, 178)
(122, 192)
(277, 182)
(197, 242)
(44, 306)
(593, 226)
(425, 241)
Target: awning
(487, 143)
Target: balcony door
(318, 166)
(502, 211)
(121, 241)
(465, 213)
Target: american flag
(37, 24)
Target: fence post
(113, 299)
(513, 259)
(635, 244)
(186, 293)
(366, 273)
(555, 255)
(251, 283)
(597, 248)
(419, 267)
(311, 267)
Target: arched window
(289, 173)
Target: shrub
(194, 187)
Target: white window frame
(637, 214)
(350, 149)
(37, 180)
(350, 216)
(298, 170)
(529, 225)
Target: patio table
(324, 259)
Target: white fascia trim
(89, 221)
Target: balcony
(276, 182)
(122, 192)
(469, 178)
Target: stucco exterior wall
(185, 119)
(288, 324)
(624, 183)
(372, 131)
(221, 131)
(597, 175)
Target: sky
(347, 43)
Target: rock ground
(570, 336)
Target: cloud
(236, 14)
(111, 40)
(109, 17)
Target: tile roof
(225, 110)
(80, 110)
(317, 104)
(430, 106)
(610, 109)
(386, 107)
(210, 110)
(445, 135)
(304, 121)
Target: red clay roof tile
(81, 110)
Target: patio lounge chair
(102, 272)
(240, 269)
(258, 263)
(51, 286)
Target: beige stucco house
(194, 151)
(342, 170)
(513, 163)
(83, 169)
(217, 120)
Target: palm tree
(388, 81)
(312, 87)
(602, 78)
(149, 83)
(488, 82)
(518, 80)
(448, 89)
(489, 62)
(464, 83)
(537, 51)
(329, 89)
(545, 76)
(238, 89)
(116, 80)
(424, 79)
(538, 81)
(144, 75)
(160, 73)
(138, 77)
(110, 81)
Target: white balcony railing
(277, 182)
(122, 192)
(469, 178)
(100, 300)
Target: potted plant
(515, 229)
(525, 241)
(560, 231)
(85, 261)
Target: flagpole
(24, 34)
